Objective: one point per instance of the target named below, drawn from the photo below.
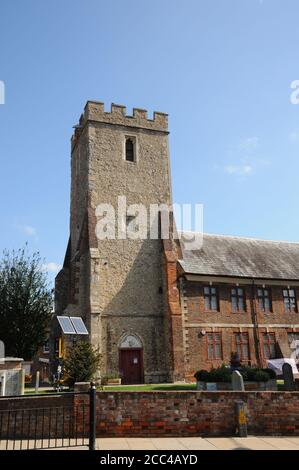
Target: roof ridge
(240, 237)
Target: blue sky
(222, 69)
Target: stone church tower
(118, 286)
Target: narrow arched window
(130, 157)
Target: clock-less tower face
(119, 283)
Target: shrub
(270, 372)
(81, 363)
(219, 374)
(202, 375)
(248, 373)
(223, 374)
(257, 375)
(261, 376)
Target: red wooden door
(131, 366)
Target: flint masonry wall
(118, 285)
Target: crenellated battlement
(94, 111)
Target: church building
(157, 311)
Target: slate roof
(222, 255)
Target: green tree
(25, 303)
(81, 363)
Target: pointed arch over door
(131, 359)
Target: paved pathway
(181, 443)
(198, 443)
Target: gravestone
(237, 381)
(13, 382)
(37, 381)
(11, 376)
(288, 377)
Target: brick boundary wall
(181, 413)
(187, 413)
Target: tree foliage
(81, 363)
(25, 303)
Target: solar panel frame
(66, 325)
(79, 326)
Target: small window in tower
(131, 223)
(130, 149)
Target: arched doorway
(131, 360)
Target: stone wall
(128, 294)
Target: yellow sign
(60, 348)
(242, 418)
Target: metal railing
(57, 426)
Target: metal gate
(51, 427)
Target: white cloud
(239, 170)
(294, 136)
(27, 230)
(242, 158)
(51, 267)
(249, 144)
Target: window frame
(263, 297)
(241, 343)
(209, 296)
(288, 289)
(46, 347)
(294, 336)
(131, 225)
(268, 343)
(214, 343)
(238, 297)
(133, 139)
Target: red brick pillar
(174, 313)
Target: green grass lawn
(164, 387)
(127, 388)
(149, 387)
(143, 388)
(42, 390)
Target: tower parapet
(94, 111)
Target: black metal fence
(69, 424)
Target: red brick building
(232, 295)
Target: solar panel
(79, 325)
(66, 325)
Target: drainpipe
(255, 326)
